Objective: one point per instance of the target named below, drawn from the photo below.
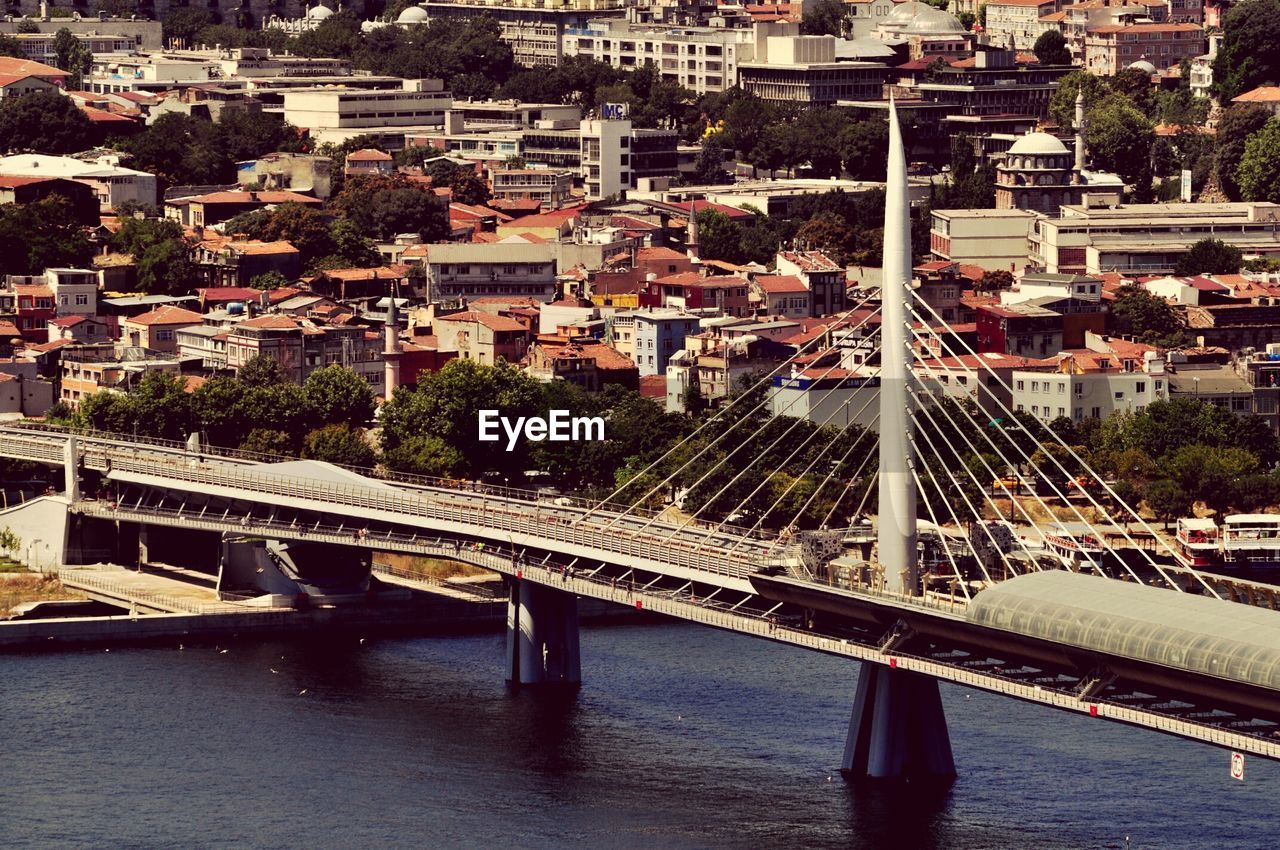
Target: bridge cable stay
(797, 421)
(997, 478)
(946, 546)
(857, 476)
(976, 511)
(1075, 456)
(1057, 439)
(795, 519)
(1044, 505)
(724, 410)
(990, 501)
(671, 478)
(797, 479)
(956, 519)
(866, 494)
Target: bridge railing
(396, 505)
(114, 439)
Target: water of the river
(680, 737)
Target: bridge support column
(71, 469)
(898, 729)
(542, 636)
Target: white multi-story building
(1016, 24)
(130, 72)
(333, 114)
(1147, 238)
(479, 269)
(702, 59)
(992, 239)
(75, 291)
(1094, 382)
(548, 187)
(111, 182)
(606, 157)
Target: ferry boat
(1251, 542)
(1078, 552)
(1198, 542)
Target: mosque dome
(922, 19)
(1038, 144)
(413, 15)
(1144, 66)
(319, 13)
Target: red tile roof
(777, 284)
(166, 315)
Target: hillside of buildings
(341, 233)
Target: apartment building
(334, 114)
(702, 59)
(1016, 24)
(550, 188)
(1093, 384)
(1147, 238)
(535, 29)
(1110, 49)
(475, 270)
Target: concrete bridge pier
(542, 636)
(898, 729)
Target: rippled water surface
(680, 737)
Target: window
(1159, 386)
(1019, 386)
(164, 335)
(1062, 388)
(1097, 413)
(82, 299)
(1035, 387)
(1140, 387)
(1079, 389)
(1119, 395)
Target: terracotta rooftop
(490, 321)
(166, 315)
(274, 321)
(777, 284)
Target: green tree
(385, 205)
(43, 121)
(995, 280)
(268, 441)
(337, 38)
(446, 405)
(1168, 501)
(136, 235)
(340, 444)
(1051, 48)
(825, 17)
(1138, 313)
(268, 280)
(72, 56)
(1120, 139)
(708, 169)
(430, 456)
(719, 237)
(10, 46)
(338, 396)
(182, 24)
(249, 135)
(1207, 473)
(865, 147)
(467, 187)
(1209, 256)
(1237, 124)
(1247, 57)
(40, 235)
(1259, 171)
(182, 150)
(306, 229)
(1135, 84)
(260, 371)
(217, 406)
(829, 233)
(166, 269)
(1062, 104)
(350, 247)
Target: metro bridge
(1151, 643)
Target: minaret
(392, 351)
(1078, 176)
(897, 506)
(691, 243)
